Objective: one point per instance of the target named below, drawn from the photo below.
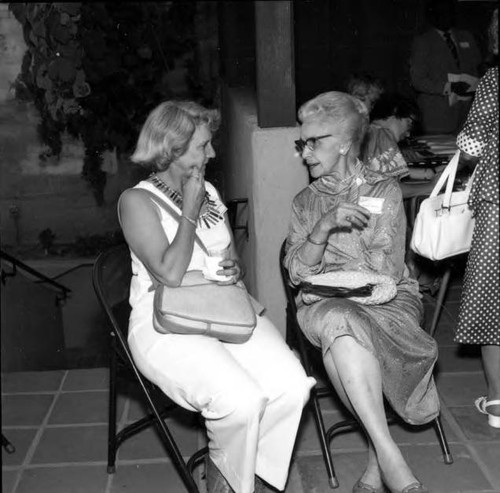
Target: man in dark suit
(438, 52)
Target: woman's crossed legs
(355, 374)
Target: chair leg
(440, 300)
(325, 445)
(7, 446)
(167, 440)
(447, 457)
(112, 443)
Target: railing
(17, 264)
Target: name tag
(373, 204)
(464, 44)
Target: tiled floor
(57, 422)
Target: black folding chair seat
(307, 352)
(111, 278)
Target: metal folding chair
(111, 278)
(307, 352)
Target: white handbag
(444, 223)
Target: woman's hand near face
(193, 193)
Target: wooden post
(275, 70)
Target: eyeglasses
(310, 143)
(411, 121)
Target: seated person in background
(250, 395)
(369, 351)
(365, 87)
(439, 51)
(392, 118)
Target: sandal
(361, 487)
(415, 488)
(482, 403)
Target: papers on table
(440, 144)
(431, 150)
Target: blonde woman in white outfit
(251, 395)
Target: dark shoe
(415, 488)
(361, 487)
(216, 482)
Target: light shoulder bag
(200, 306)
(444, 223)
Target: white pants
(251, 395)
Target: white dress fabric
(251, 395)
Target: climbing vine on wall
(95, 69)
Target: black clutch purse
(336, 291)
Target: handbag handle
(448, 177)
(168, 208)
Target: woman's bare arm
(140, 221)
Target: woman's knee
(243, 405)
(298, 394)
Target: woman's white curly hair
(347, 113)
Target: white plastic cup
(212, 266)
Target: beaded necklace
(207, 219)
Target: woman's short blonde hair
(167, 132)
(344, 111)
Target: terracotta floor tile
(147, 478)
(25, 409)
(72, 444)
(475, 425)
(463, 475)
(424, 460)
(81, 479)
(426, 434)
(87, 379)
(80, 407)
(348, 468)
(21, 439)
(147, 444)
(458, 359)
(308, 440)
(8, 481)
(460, 389)
(490, 455)
(32, 381)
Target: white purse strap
(448, 177)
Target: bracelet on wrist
(188, 219)
(315, 242)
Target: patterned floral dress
(479, 317)
(381, 152)
(390, 331)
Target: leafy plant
(96, 69)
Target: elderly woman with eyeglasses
(369, 351)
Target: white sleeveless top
(216, 237)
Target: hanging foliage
(95, 70)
